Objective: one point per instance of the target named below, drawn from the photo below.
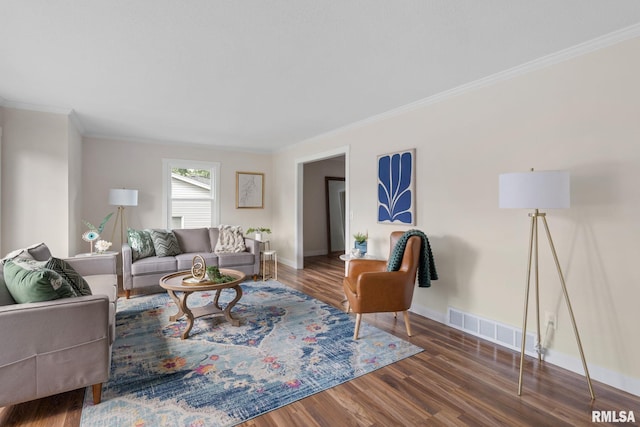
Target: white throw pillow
(230, 239)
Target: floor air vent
(493, 331)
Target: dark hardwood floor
(457, 380)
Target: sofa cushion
(185, 261)
(30, 281)
(65, 270)
(230, 239)
(154, 264)
(165, 243)
(193, 240)
(141, 244)
(231, 259)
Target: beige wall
(580, 115)
(119, 164)
(35, 180)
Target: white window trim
(168, 164)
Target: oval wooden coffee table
(175, 282)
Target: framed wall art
(396, 188)
(250, 190)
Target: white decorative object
(102, 246)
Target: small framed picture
(249, 190)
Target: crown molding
(75, 119)
(178, 143)
(593, 45)
(69, 112)
(36, 107)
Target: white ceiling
(264, 74)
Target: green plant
(214, 274)
(361, 237)
(259, 230)
(99, 228)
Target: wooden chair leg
(406, 322)
(97, 393)
(127, 293)
(357, 330)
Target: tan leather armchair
(370, 288)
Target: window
(190, 194)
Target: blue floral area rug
(287, 347)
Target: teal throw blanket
(426, 268)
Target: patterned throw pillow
(230, 239)
(29, 281)
(64, 269)
(165, 243)
(141, 244)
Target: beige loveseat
(146, 272)
(51, 347)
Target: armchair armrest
(358, 266)
(55, 346)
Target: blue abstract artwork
(396, 192)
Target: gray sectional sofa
(54, 346)
(146, 272)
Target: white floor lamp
(122, 197)
(539, 190)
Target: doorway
(312, 220)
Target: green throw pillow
(141, 244)
(32, 282)
(165, 243)
(64, 269)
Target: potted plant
(258, 232)
(361, 242)
(215, 275)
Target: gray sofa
(56, 346)
(146, 272)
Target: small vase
(362, 246)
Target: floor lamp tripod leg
(526, 304)
(566, 298)
(537, 283)
(115, 224)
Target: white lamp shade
(535, 190)
(123, 197)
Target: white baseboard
(473, 325)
